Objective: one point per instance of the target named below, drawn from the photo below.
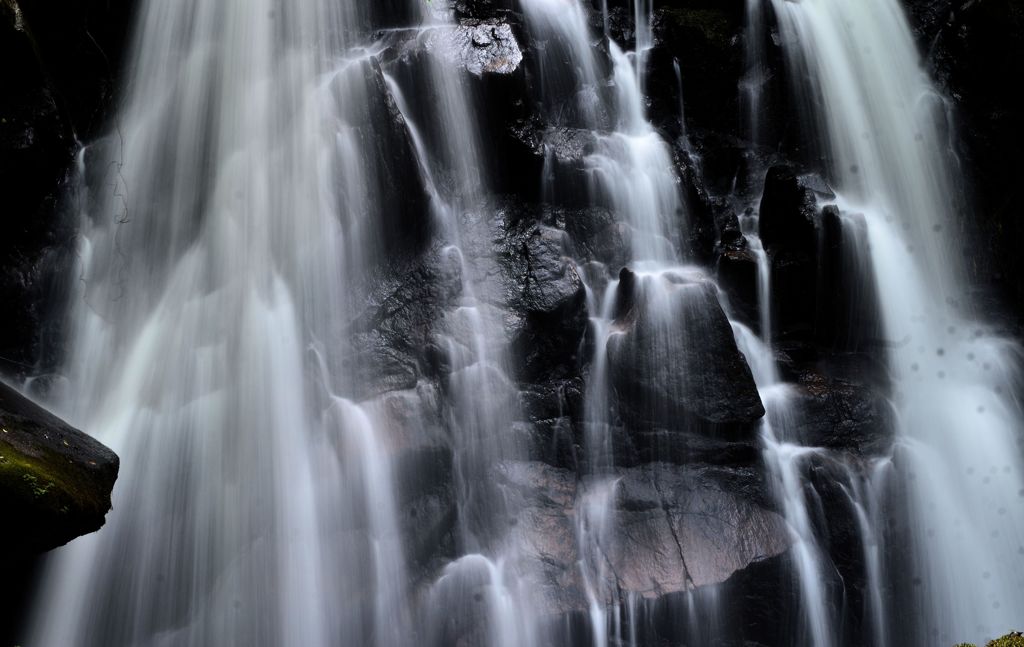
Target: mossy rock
(55, 481)
(1014, 639)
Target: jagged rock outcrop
(55, 481)
(675, 364)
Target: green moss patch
(1015, 639)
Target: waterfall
(254, 506)
(886, 134)
(283, 176)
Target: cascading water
(259, 502)
(885, 131)
(255, 504)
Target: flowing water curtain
(887, 134)
(242, 516)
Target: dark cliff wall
(58, 67)
(975, 50)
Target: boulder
(789, 214)
(478, 46)
(737, 273)
(545, 297)
(55, 481)
(849, 318)
(653, 530)
(790, 226)
(674, 363)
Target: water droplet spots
(854, 169)
(914, 367)
(478, 597)
(970, 470)
(942, 375)
(970, 357)
(940, 352)
(1002, 511)
(918, 137)
(936, 228)
(986, 480)
(996, 605)
(986, 575)
(981, 409)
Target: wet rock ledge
(55, 481)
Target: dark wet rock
(715, 529)
(36, 147)
(55, 481)
(545, 296)
(847, 415)
(553, 398)
(789, 210)
(790, 227)
(555, 441)
(675, 364)
(686, 448)
(80, 49)
(391, 170)
(849, 318)
(671, 529)
(794, 280)
(556, 158)
(595, 235)
(394, 339)
(486, 9)
(704, 39)
(738, 275)
(971, 49)
(392, 14)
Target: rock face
(479, 46)
(971, 48)
(57, 68)
(547, 296)
(55, 481)
(664, 529)
(789, 210)
(675, 364)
